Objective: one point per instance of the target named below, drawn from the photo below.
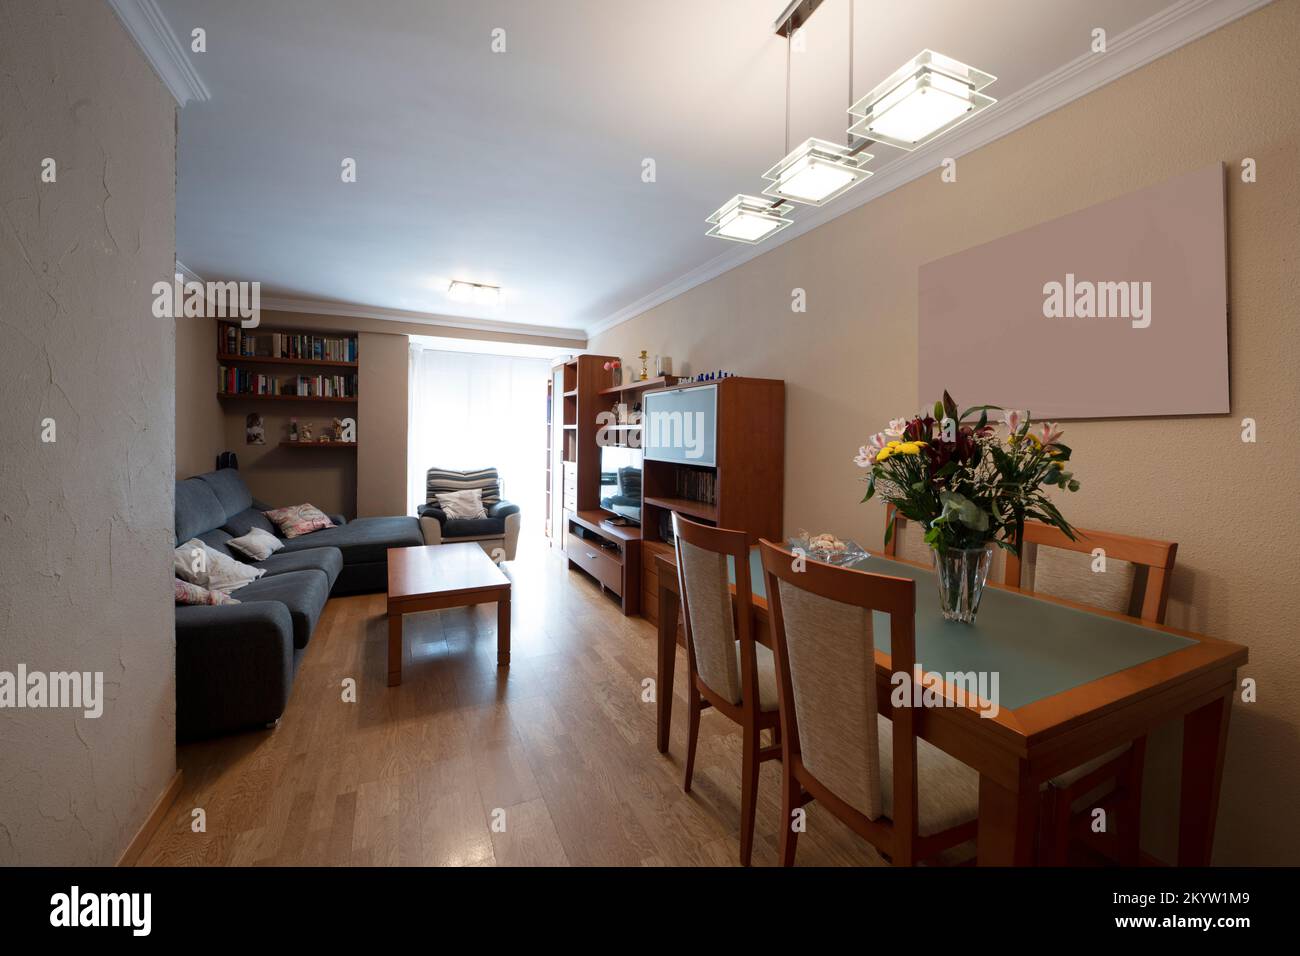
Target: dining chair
(908, 540)
(728, 670)
(908, 798)
(1135, 582)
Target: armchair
(498, 531)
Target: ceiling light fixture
(816, 172)
(927, 96)
(749, 219)
(476, 292)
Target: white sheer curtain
(479, 411)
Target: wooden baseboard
(163, 804)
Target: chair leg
(692, 732)
(1054, 828)
(1130, 807)
(748, 793)
(790, 793)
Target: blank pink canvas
(983, 335)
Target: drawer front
(591, 558)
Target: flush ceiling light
(749, 219)
(816, 172)
(476, 292)
(927, 96)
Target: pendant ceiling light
(816, 172)
(749, 219)
(923, 99)
(927, 96)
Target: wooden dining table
(1074, 683)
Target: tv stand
(608, 552)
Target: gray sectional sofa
(235, 663)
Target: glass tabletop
(1036, 647)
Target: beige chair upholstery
(1069, 575)
(833, 676)
(910, 542)
(765, 663)
(843, 741)
(713, 631)
(947, 791)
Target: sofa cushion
(473, 527)
(197, 509)
(229, 487)
(328, 560)
(216, 540)
(248, 519)
(304, 593)
(445, 479)
(365, 540)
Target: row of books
(288, 345)
(695, 485)
(239, 381)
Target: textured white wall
(850, 365)
(85, 522)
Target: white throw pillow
(462, 504)
(259, 544)
(207, 567)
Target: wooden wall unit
(748, 479)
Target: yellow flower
(884, 453)
(909, 448)
(893, 444)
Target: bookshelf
(286, 365)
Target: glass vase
(961, 574)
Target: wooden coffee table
(434, 577)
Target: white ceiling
(523, 168)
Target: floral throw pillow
(297, 520)
(187, 593)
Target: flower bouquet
(968, 487)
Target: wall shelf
(272, 360)
(287, 398)
(351, 445)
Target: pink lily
(1049, 434)
(1014, 420)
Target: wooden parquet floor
(552, 763)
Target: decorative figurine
(645, 372)
(304, 432)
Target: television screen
(620, 481)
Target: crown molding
(1171, 28)
(332, 307)
(187, 273)
(165, 53)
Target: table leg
(394, 648)
(503, 630)
(1007, 824)
(666, 664)
(1205, 738)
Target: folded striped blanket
(444, 480)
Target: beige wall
(850, 364)
(85, 521)
(200, 419)
(382, 424)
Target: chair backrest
(908, 540)
(445, 479)
(824, 649)
(1135, 580)
(712, 628)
